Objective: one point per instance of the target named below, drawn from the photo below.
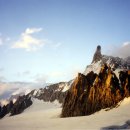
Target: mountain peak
(104, 83)
(93, 92)
(97, 55)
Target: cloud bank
(122, 50)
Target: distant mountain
(20, 100)
(53, 92)
(12, 90)
(116, 62)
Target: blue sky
(53, 40)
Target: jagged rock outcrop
(93, 92)
(53, 92)
(128, 60)
(97, 56)
(21, 104)
(48, 94)
(117, 62)
(18, 107)
(3, 111)
(6, 109)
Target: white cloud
(3, 88)
(125, 44)
(32, 30)
(122, 50)
(9, 88)
(29, 42)
(3, 102)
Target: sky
(52, 40)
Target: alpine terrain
(97, 98)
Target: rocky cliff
(97, 55)
(99, 87)
(105, 82)
(53, 92)
(49, 93)
(18, 107)
(93, 92)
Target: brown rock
(97, 56)
(92, 93)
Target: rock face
(18, 107)
(6, 109)
(96, 89)
(128, 60)
(21, 104)
(116, 62)
(97, 56)
(93, 92)
(53, 92)
(48, 94)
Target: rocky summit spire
(97, 55)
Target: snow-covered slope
(53, 92)
(95, 67)
(116, 63)
(46, 116)
(11, 90)
(20, 100)
(113, 62)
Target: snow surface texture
(67, 86)
(95, 67)
(46, 116)
(116, 63)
